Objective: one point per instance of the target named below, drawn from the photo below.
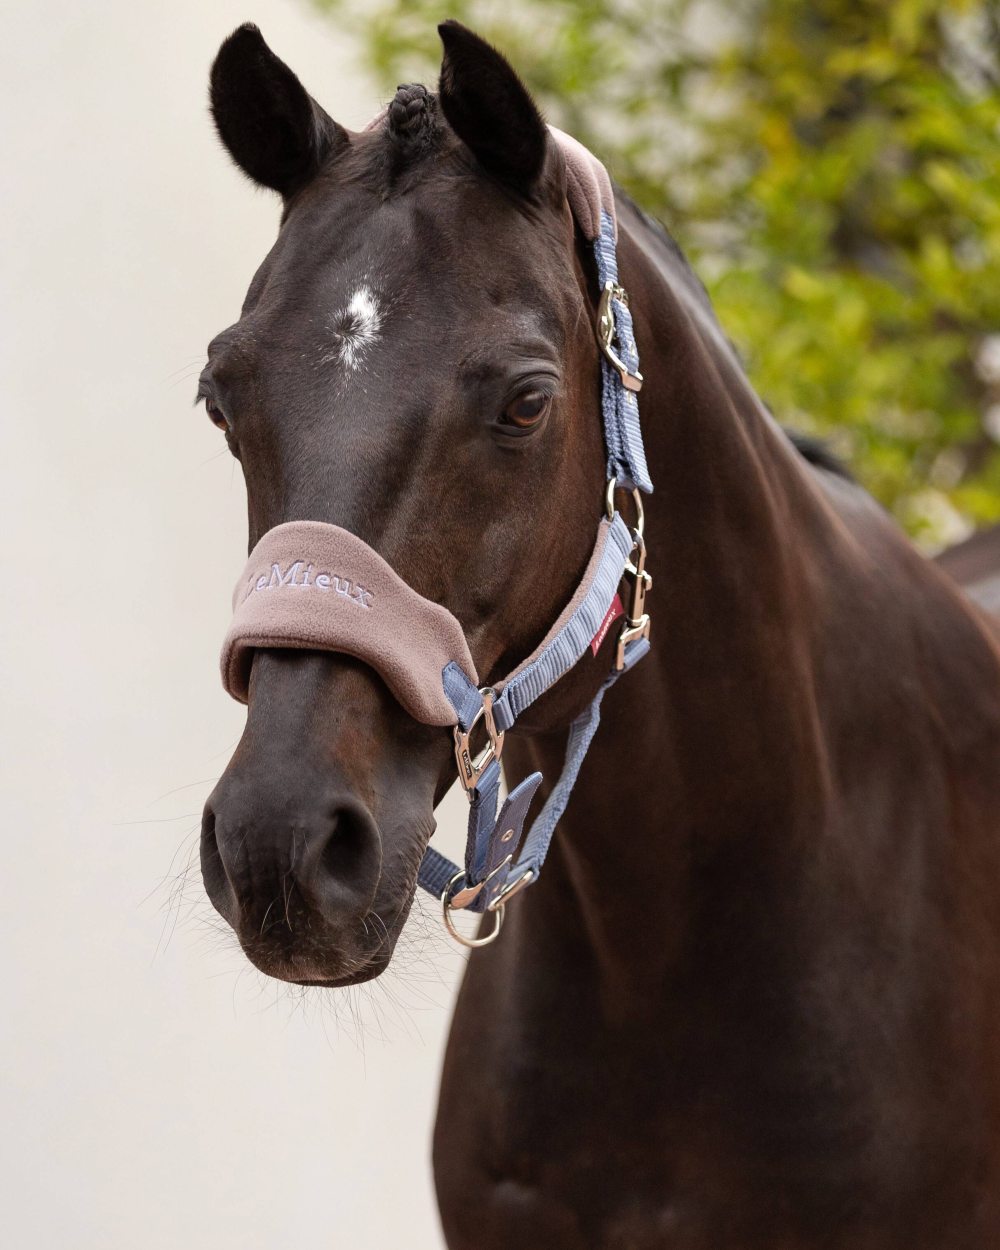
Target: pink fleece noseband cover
(317, 587)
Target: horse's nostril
(265, 861)
(339, 870)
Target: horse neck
(683, 771)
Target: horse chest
(555, 1131)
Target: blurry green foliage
(832, 169)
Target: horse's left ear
(489, 108)
(273, 129)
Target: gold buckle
(510, 889)
(637, 618)
(469, 769)
(463, 897)
(606, 334)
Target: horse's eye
(527, 410)
(215, 415)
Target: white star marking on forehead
(356, 328)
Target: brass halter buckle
(636, 618)
(469, 769)
(606, 334)
(640, 582)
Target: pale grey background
(156, 1092)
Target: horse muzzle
(292, 848)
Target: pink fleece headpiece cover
(588, 184)
(317, 587)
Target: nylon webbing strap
(622, 435)
(570, 643)
(492, 837)
(491, 840)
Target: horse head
(414, 362)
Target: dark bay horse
(754, 1001)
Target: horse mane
(680, 263)
(815, 451)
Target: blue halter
(491, 875)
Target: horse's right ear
(272, 128)
(489, 108)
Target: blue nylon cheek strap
(490, 874)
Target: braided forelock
(413, 119)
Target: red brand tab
(613, 613)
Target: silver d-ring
(609, 504)
(447, 909)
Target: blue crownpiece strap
(620, 376)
